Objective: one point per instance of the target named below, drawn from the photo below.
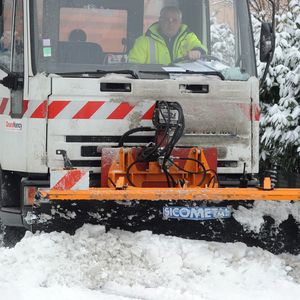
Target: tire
(1, 188)
(1, 234)
(9, 189)
(12, 235)
(10, 197)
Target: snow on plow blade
(224, 214)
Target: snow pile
(120, 264)
(252, 218)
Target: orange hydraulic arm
(189, 167)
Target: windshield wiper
(133, 73)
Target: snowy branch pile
(280, 122)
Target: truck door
(12, 78)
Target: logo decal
(13, 125)
(196, 213)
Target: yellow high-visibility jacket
(151, 48)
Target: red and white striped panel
(35, 109)
(255, 112)
(4, 106)
(31, 109)
(80, 110)
(99, 110)
(69, 179)
(251, 111)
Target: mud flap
(209, 220)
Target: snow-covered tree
(263, 8)
(280, 122)
(222, 41)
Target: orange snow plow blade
(196, 213)
(167, 194)
(187, 201)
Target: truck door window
(6, 34)
(18, 51)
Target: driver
(166, 41)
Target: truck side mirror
(266, 45)
(14, 82)
(1, 7)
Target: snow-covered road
(121, 265)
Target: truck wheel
(1, 234)
(9, 189)
(12, 235)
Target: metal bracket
(120, 184)
(267, 184)
(67, 163)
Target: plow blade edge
(206, 214)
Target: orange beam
(165, 194)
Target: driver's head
(170, 21)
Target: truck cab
(67, 84)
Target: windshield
(201, 36)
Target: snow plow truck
(86, 135)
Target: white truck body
(48, 103)
(77, 108)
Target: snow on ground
(93, 264)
